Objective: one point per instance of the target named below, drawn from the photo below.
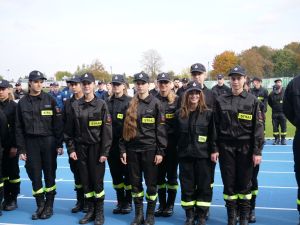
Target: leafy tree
(96, 68)
(253, 62)
(295, 47)
(284, 63)
(224, 62)
(151, 63)
(60, 75)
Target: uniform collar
(243, 93)
(83, 102)
(122, 98)
(147, 99)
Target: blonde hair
(186, 105)
(130, 123)
(11, 95)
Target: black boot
(80, 201)
(283, 140)
(276, 140)
(201, 215)
(190, 216)
(252, 217)
(231, 212)
(99, 215)
(127, 205)
(120, 200)
(1, 198)
(11, 204)
(48, 209)
(244, 206)
(162, 202)
(40, 202)
(89, 216)
(168, 211)
(150, 213)
(139, 214)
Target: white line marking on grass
(220, 206)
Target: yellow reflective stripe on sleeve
(191, 203)
(172, 187)
(89, 195)
(50, 188)
(137, 195)
(232, 197)
(95, 123)
(255, 192)
(78, 186)
(15, 181)
(243, 116)
(245, 197)
(118, 186)
(151, 197)
(120, 116)
(99, 195)
(161, 186)
(202, 139)
(47, 112)
(1, 184)
(40, 191)
(205, 204)
(298, 202)
(260, 98)
(170, 115)
(148, 120)
(127, 187)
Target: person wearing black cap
(196, 136)
(168, 168)
(220, 88)
(19, 92)
(3, 136)
(10, 166)
(117, 106)
(291, 108)
(75, 86)
(39, 139)
(239, 124)
(88, 140)
(182, 89)
(143, 146)
(275, 101)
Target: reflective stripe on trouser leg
(118, 186)
(15, 181)
(151, 197)
(53, 188)
(40, 191)
(230, 197)
(172, 187)
(137, 195)
(203, 204)
(99, 195)
(187, 204)
(245, 197)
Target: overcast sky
(58, 35)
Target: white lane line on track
(269, 172)
(279, 161)
(278, 146)
(14, 224)
(264, 152)
(178, 204)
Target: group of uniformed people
(146, 136)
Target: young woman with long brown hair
(196, 142)
(143, 146)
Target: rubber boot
(162, 202)
(11, 204)
(276, 140)
(244, 211)
(139, 214)
(48, 209)
(190, 216)
(252, 217)
(89, 216)
(120, 200)
(12, 194)
(80, 201)
(168, 211)
(127, 205)
(99, 214)
(6, 194)
(231, 212)
(283, 140)
(1, 198)
(150, 213)
(40, 202)
(201, 215)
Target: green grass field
(269, 128)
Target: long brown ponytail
(130, 123)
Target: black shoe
(47, 212)
(283, 142)
(190, 217)
(159, 211)
(126, 208)
(201, 221)
(139, 214)
(11, 205)
(89, 216)
(118, 209)
(252, 217)
(168, 211)
(275, 142)
(40, 202)
(78, 207)
(150, 220)
(99, 215)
